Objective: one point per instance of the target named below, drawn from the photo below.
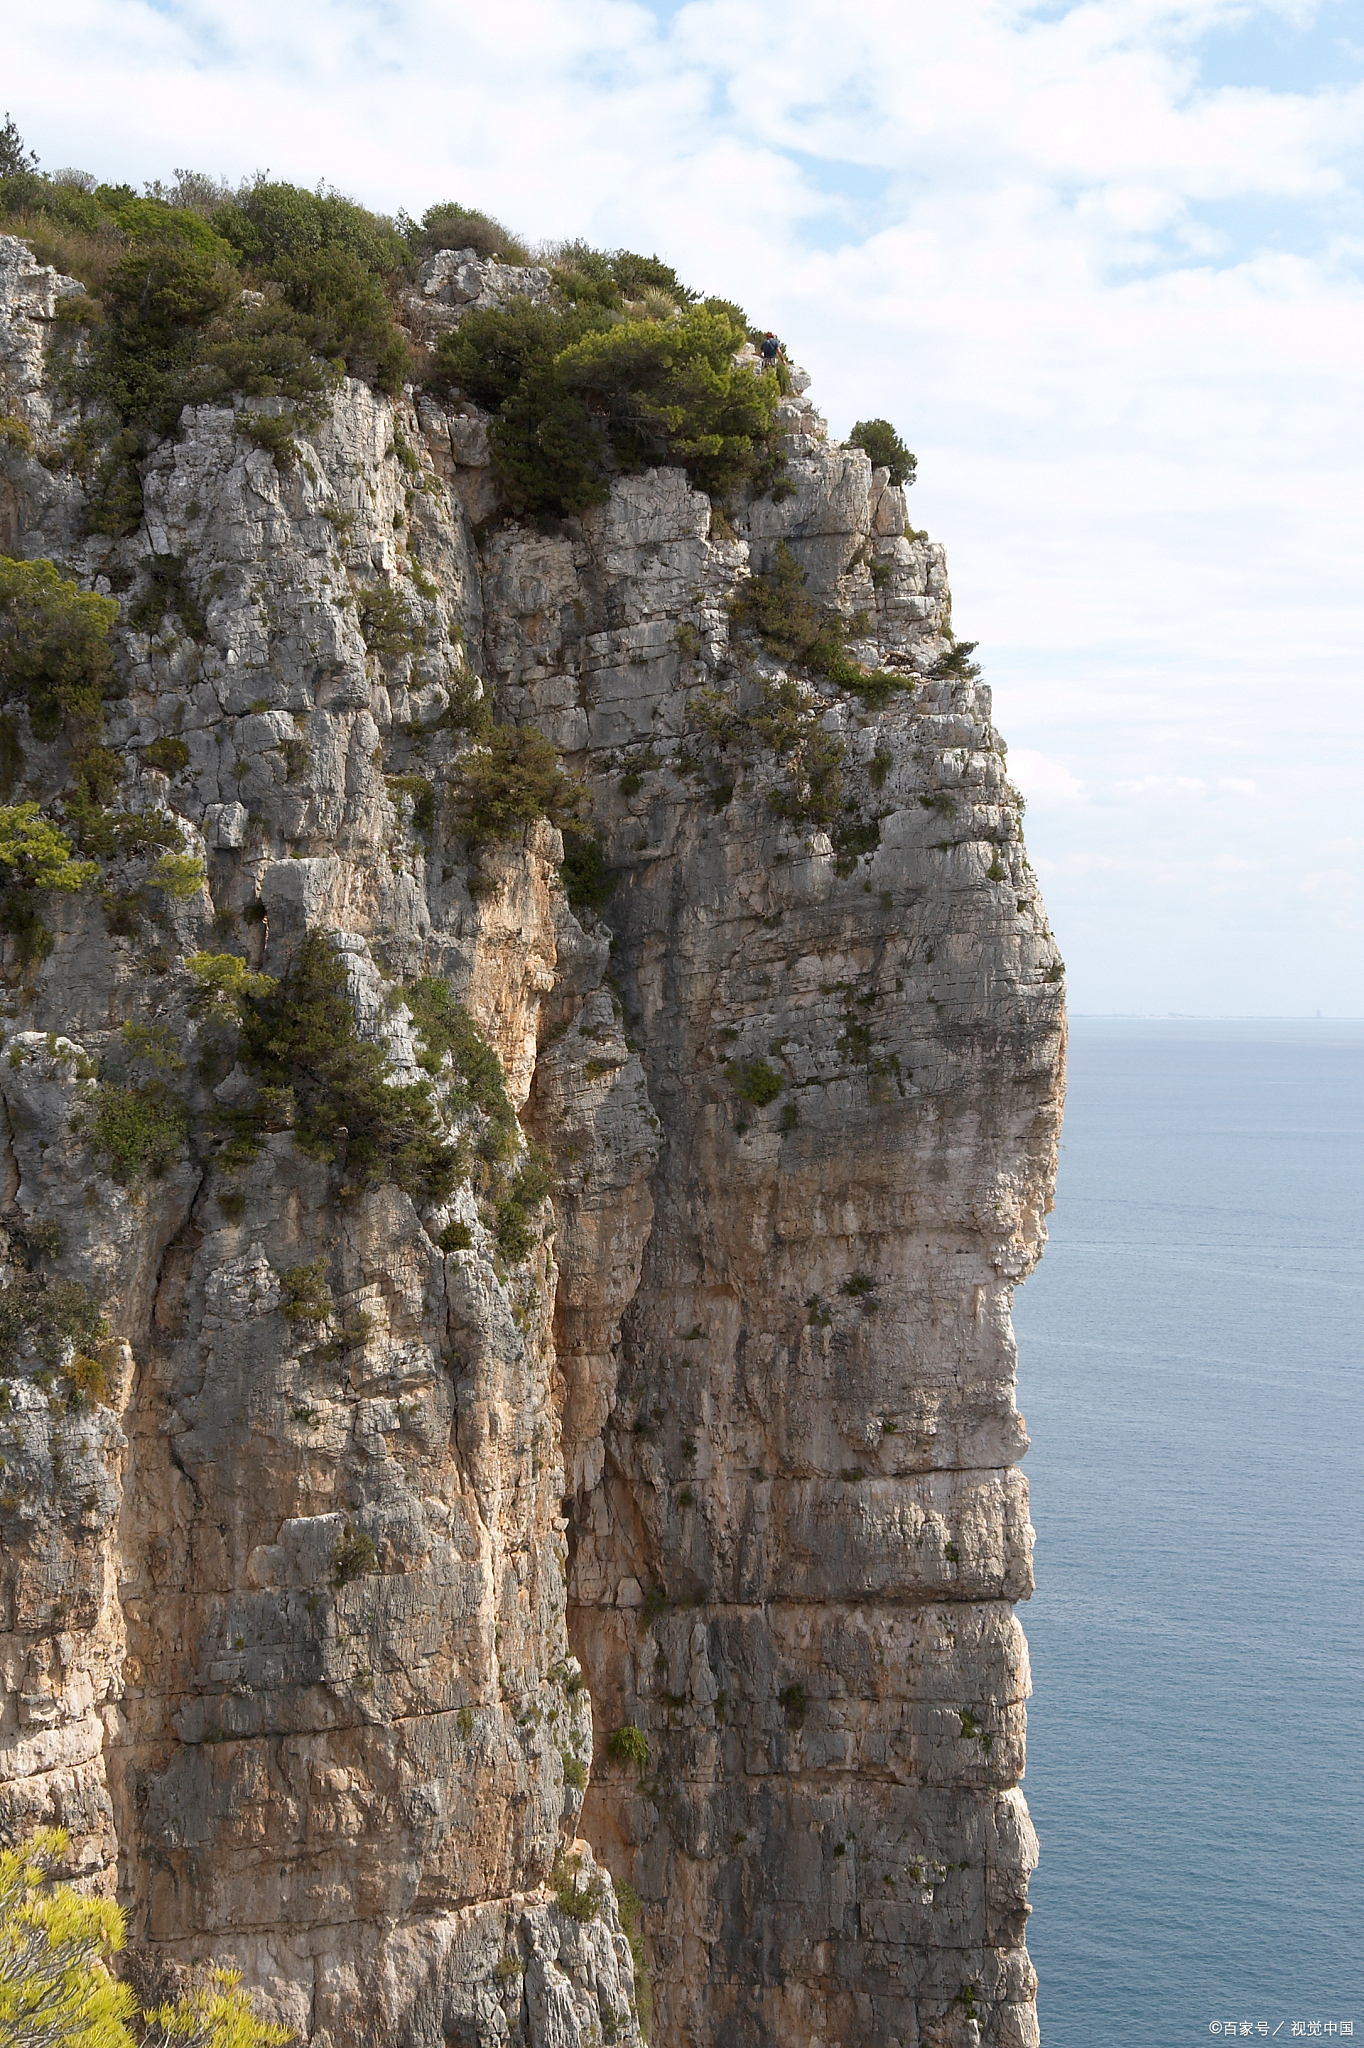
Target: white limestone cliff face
(735, 1444)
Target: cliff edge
(508, 1375)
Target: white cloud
(1042, 779)
(1118, 313)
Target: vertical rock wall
(294, 1620)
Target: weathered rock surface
(295, 1620)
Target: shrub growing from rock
(511, 779)
(886, 449)
(300, 1038)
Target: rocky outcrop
(370, 1509)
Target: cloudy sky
(1100, 263)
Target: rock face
(307, 1617)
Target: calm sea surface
(1192, 1373)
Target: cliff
(448, 1422)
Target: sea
(1191, 1368)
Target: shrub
(34, 854)
(304, 1296)
(355, 1555)
(670, 392)
(803, 634)
(55, 1984)
(629, 1745)
(272, 431)
(386, 625)
(588, 882)
(575, 1771)
(166, 591)
(137, 1129)
(180, 875)
(754, 1081)
(171, 280)
(581, 1902)
(635, 275)
(422, 792)
(547, 455)
(529, 1189)
(344, 315)
(794, 1702)
(886, 449)
(578, 394)
(956, 663)
(632, 1925)
(54, 649)
(301, 1037)
(86, 1380)
(512, 778)
(268, 222)
(451, 226)
(222, 982)
(446, 1028)
(456, 1237)
(52, 1315)
(15, 158)
(168, 753)
(858, 1286)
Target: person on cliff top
(770, 349)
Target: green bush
(580, 1902)
(269, 222)
(451, 226)
(16, 159)
(575, 1771)
(423, 794)
(168, 753)
(886, 449)
(53, 1315)
(35, 855)
(669, 392)
(512, 778)
(629, 1745)
(136, 1129)
(754, 1081)
(386, 625)
(171, 280)
(300, 1037)
(55, 1983)
(794, 1703)
(355, 1555)
(578, 395)
(803, 634)
(447, 1029)
(54, 649)
(172, 326)
(344, 315)
(587, 880)
(632, 1925)
(530, 1187)
(304, 1295)
(956, 663)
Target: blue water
(1192, 1373)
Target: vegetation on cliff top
(584, 390)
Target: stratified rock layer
(288, 1623)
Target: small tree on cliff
(56, 1989)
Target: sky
(1101, 264)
